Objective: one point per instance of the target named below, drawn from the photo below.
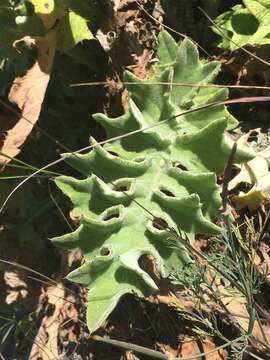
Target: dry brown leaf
(141, 68)
(193, 348)
(28, 93)
(236, 306)
(131, 356)
(16, 287)
(45, 344)
(254, 173)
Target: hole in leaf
(179, 166)
(139, 159)
(121, 185)
(147, 263)
(253, 136)
(142, 262)
(113, 153)
(244, 24)
(167, 192)
(110, 214)
(187, 105)
(121, 188)
(160, 224)
(105, 251)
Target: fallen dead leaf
(141, 68)
(131, 356)
(192, 348)
(28, 93)
(16, 287)
(236, 306)
(255, 174)
(63, 318)
(45, 345)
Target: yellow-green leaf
(45, 9)
(73, 29)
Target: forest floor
(42, 315)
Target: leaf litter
(28, 93)
(255, 173)
(52, 340)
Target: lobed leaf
(138, 187)
(244, 25)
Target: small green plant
(22, 20)
(222, 285)
(244, 25)
(138, 187)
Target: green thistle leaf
(170, 170)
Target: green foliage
(73, 29)
(16, 21)
(244, 25)
(35, 18)
(233, 279)
(169, 170)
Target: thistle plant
(136, 188)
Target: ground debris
(62, 311)
(28, 93)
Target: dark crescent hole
(121, 188)
(160, 224)
(110, 216)
(142, 262)
(121, 185)
(139, 160)
(104, 251)
(182, 167)
(167, 192)
(146, 264)
(113, 153)
(179, 166)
